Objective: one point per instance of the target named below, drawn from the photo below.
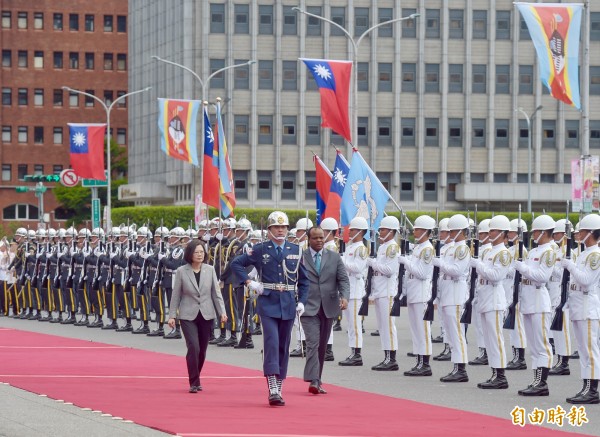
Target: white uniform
(355, 260)
(562, 339)
(419, 271)
(518, 338)
(443, 249)
(385, 287)
(477, 320)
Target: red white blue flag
(341, 169)
(86, 144)
(210, 171)
(323, 182)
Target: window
(313, 131)
(594, 26)
(289, 129)
(407, 129)
(549, 134)
(38, 20)
(58, 59)
(21, 171)
(310, 183)
(290, 76)
(501, 178)
(523, 30)
(89, 23)
(22, 20)
(242, 20)
(502, 79)
(314, 26)
(502, 127)
(73, 21)
(22, 59)
(265, 129)
(123, 102)
(57, 168)
(121, 136)
(240, 129)
(73, 60)
(455, 135)
(384, 131)
(523, 134)
(240, 183)
(409, 77)
(89, 101)
(385, 178)
(264, 185)
(108, 61)
(73, 99)
(20, 212)
(572, 134)
(6, 172)
(57, 21)
(22, 97)
(502, 24)
(121, 61)
(479, 24)
(265, 75)
(409, 27)
(6, 58)
(525, 79)
(22, 134)
(594, 81)
(108, 23)
(477, 177)
(455, 79)
(453, 179)
(362, 126)
(288, 185)
(362, 76)
(432, 23)
(594, 134)
(38, 59)
(385, 14)
(547, 178)
(479, 78)
(361, 20)
(265, 20)
(6, 96)
(6, 20)
(523, 178)
(456, 24)
(6, 134)
(108, 97)
(290, 26)
(479, 135)
(38, 135)
(218, 80)
(385, 76)
(430, 192)
(89, 61)
(431, 132)
(57, 135)
(57, 97)
(338, 15)
(432, 81)
(122, 23)
(241, 75)
(38, 97)
(217, 18)
(407, 191)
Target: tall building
(437, 100)
(46, 45)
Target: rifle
(429, 311)
(71, 265)
(399, 298)
(468, 310)
(364, 306)
(509, 323)
(47, 265)
(558, 319)
(34, 279)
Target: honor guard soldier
(41, 276)
(355, 261)
(282, 292)
(31, 293)
(534, 302)
(454, 291)
(119, 267)
(243, 228)
(446, 243)
(216, 251)
(385, 286)
(137, 263)
(330, 228)
(230, 247)
(65, 267)
(302, 227)
(54, 283)
(203, 233)
(492, 268)
(92, 264)
(6, 258)
(170, 264)
(105, 279)
(153, 279)
(419, 271)
(584, 307)
(484, 245)
(18, 266)
(518, 336)
(78, 274)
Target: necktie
(279, 251)
(318, 262)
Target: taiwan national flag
(338, 183)
(86, 142)
(333, 80)
(210, 172)
(323, 182)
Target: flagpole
(108, 137)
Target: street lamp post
(203, 85)
(107, 109)
(355, 46)
(529, 119)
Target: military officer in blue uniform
(282, 290)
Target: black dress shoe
(157, 333)
(97, 324)
(386, 366)
(410, 354)
(45, 319)
(126, 328)
(422, 370)
(438, 339)
(217, 340)
(257, 331)
(247, 344)
(314, 387)
(353, 360)
(112, 325)
(175, 333)
(574, 355)
(56, 320)
(297, 353)
(142, 330)
(337, 326)
(230, 342)
(329, 355)
(195, 388)
(275, 400)
(375, 333)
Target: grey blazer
(328, 287)
(188, 298)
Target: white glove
(565, 263)
(253, 274)
(402, 259)
(256, 287)
(161, 256)
(474, 263)
(437, 262)
(371, 262)
(300, 309)
(219, 236)
(519, 265)
(206, 237)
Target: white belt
(529, 282)
(486, 282)
(449, 278)
(575, 287)
(380, 274)
(279, 287)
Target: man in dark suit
(328, 295)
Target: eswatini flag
(210, 171)
(323, 182)
(86, 144)
(555, 29)
(177, 124)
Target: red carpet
(149, 388)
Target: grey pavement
(463, 396)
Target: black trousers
(196, 333)
(158, 304)
(232, 308)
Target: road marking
(62, 347)
(124, 376)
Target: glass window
(502, 24)
(21, 171)
(407, 129)
(265, 20)
(361, 20)
(409, 27)
(385, 76)
(121, 61)
(478, 125)
(22, 59)
(288, 185)
(525, 79)
(6, 172)
(6, 96)
(20, 212)
(290, 26)
(108, 97)
(121, 136)
(595, 134)
(455, 79)
(57, 135)
(310, 185)
(313, 131)
(385, 178)
(431, 132)
(108, 23)
(290, 75)
(362, 76)
(38, 20)
(22, 20)
(477, 177)
(241, 75)
(73, 100)
(38, 97)
(73, 21)
(432, 78)
(362, 131)
(595, 26)
(57, 97)
(338, 15)
(89, 23)
(6, 20)
(453, 179)
(265, 75)
(121, 23)
(217, 18)
(501, 178)
(314, 26)
(89, 61)
(218, 80)
(523, 134)
(6, 58)
(430, 187)
(265, 129)
(6, 134)
(523, 30)
(385, 14)
(409, 77)
(502, 133)
(57, 168)
(38, 59)
(265, 190)
(57, 21)
(58, 59)
(289, 129)
(241, 135)
(456, 24)
(549, 134)
(572, 134)
(502, 79)
(123, 102)
(455, 132)
(479, 78)
(240, 183)
(74, 60)
(407, 186)
(479, 24)
(594, 81)
(432, 23)
(108, 61)
(22, 96)
(38, 136)
(384, 131)
(242, 18)
(22, 134)
(89, 101)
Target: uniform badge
(362, 252)
(427, 255)
(266, 257)
(549, 257)
(504, 257)
(462, 252)
(280, 220)
(391, 251)
(594, 260)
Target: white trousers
(455, 333)
(586, 335)
(442, 319)
(420, 330)
(518, 337)
(355, 335)
(562, 339)
(537, 328)
(298, 332)
(478, 328)
(491, 323)
(386, 324)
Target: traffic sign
(95, 213)
(22, 189)
(68, 177)
(90, 183)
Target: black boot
(389, 363)
(481, 360)
(158, 332)
(458, 374)
(574, 355)
(83, 322)
(514, 358)
(275, 399)
(46, 318)
(445, 355)
(561, 367)
(220, 338)
(519, 363)
(300, 351)
(70, 320)
(438, 339)
(538, 387)
(588, 395)
(355, 359)
(174, 334)
(337, 326)
(112, 325)
(422, 368)
(143, 329)
(97, 322)
(551, 341)
(496, 382)
(230, 342)
(375, 333)
(127, 328)
(329, 353)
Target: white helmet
(70, 232)
(329, 224)
(292, 233)
(457, 222)
(590, 222)
(31, 234)
(543, 223)
(52, 233)
(244, 224)
(255, 235)
(277, 218)
(41, 233)
(424, 222)
(514, 225)
(83, 233)
(216, 223)
(62, 233)
(191, 233)
(389, 222)
(203, 225)
(484, 226)
(561, 226)
(144, 232)
(162, 232)
(576, 227)
(98, 232)
(177, 232)
(444, 224)
(229, 223)
(115, 232)
(304, 223)
(359, 223)
(21, 232)
(500, 222)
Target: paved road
(464, 396)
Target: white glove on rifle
(300, 309)
(256, 287)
